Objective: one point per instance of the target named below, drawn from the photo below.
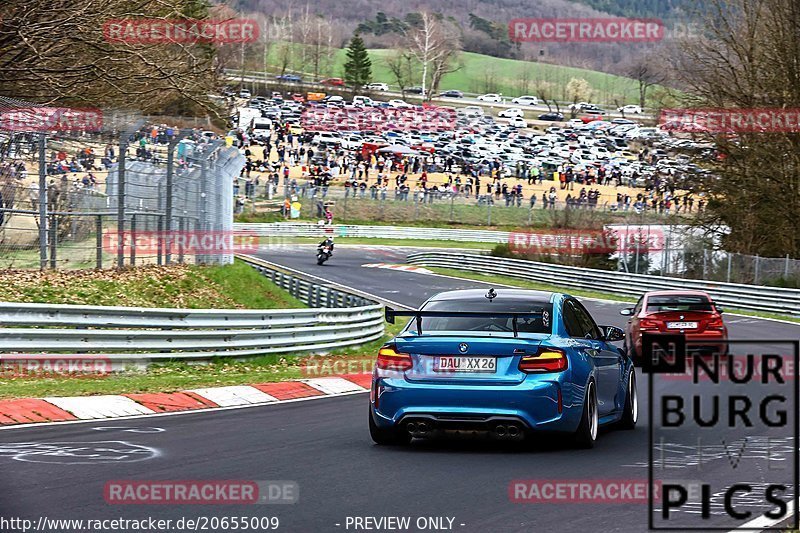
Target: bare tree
(646, 74)
(433, 44)
(749, 57)
(400, 64)
(56, 51)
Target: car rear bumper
(534, 404)
(707, 342)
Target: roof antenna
(491, 295)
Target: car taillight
(389, 359)
(545, 360)
(716, 323)
(647, 323)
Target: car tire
(387, 436)
(586, 434)
(630, 413)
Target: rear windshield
(678, 302)
(538, 324)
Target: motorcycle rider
(327, 242)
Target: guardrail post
(786, 268)
(489, 211)
(317, 290)
(99, 231)
(328, 298)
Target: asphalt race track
(60, 471)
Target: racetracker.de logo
(579, 491)
(189, 242)
(335, 366)
(48, 119)
(586, 30)
(720, 120)
(200, 492)
(429, 118)
(42, 366)
(589, 241)
(180, 31)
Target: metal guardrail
(301, 229)
(745, 297)
(135, 336)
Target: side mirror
(612, 333)
(720, 310)
(628, 311)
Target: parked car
(333, 82)
(291, 78)
(362, 101)
(377, 87)
(511, 112)
(491, 97)
(691, 313)
(417, 90)
(440, 374)
(244, 93)
(630, 108)
(452, 94)
(582, 106)
(518, 122)
(472, 111)
(553, 117)
(397, 103)
(525, 100)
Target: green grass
(466, 216)
(176, 376)
(525, 284)
(478, 73)
(422, 243)
(194, 287)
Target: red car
(691, 313)
(333, 82)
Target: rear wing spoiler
(392, 313)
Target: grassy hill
(481, 73)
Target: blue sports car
(510, 363)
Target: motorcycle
(323, 254)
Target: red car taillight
(648, 324)
(389, 359)
(545, 360)
(716, 323)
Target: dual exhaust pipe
(419, 429)
(510, 431)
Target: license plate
(465, 364)
(681, 325)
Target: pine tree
(358, 67)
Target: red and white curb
(60, 409)
(404, 268)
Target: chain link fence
(127, 192)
